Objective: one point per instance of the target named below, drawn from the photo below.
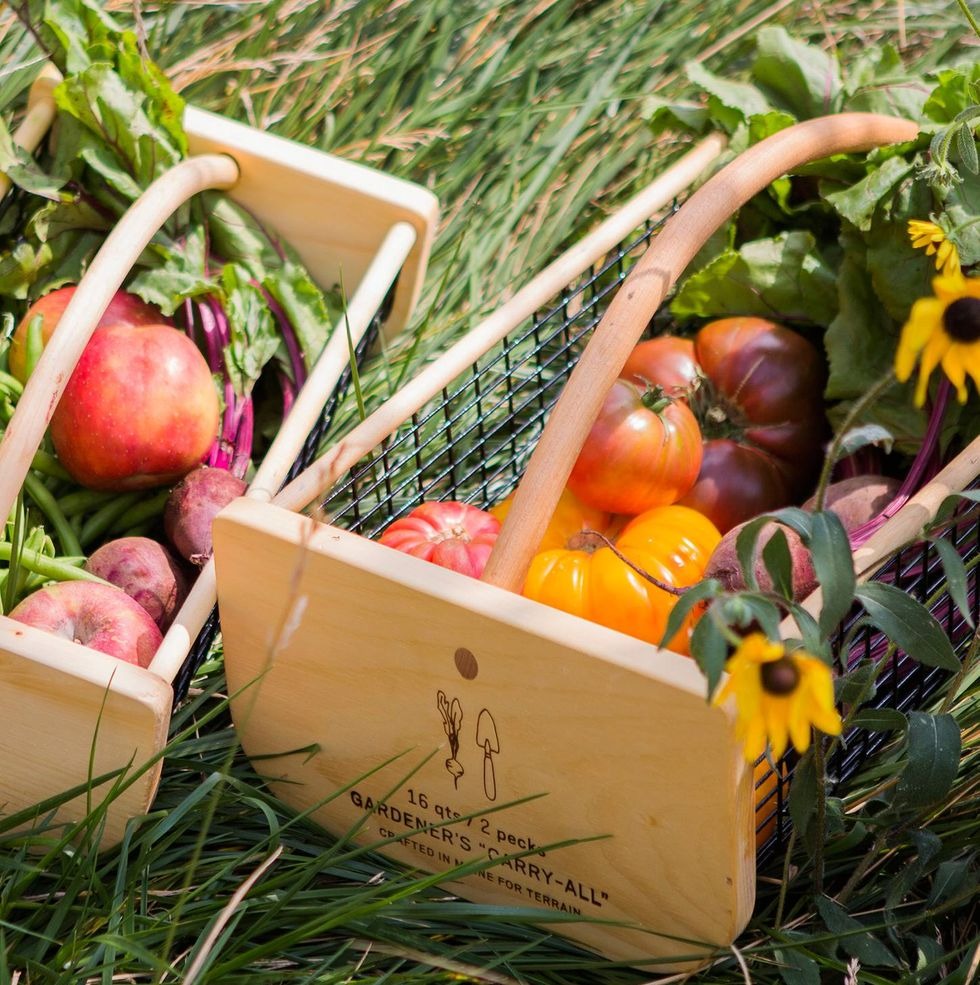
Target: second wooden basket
(454, 721)
(73, 719)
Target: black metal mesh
(473, 442)
(205, 639)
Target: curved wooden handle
(637, 300)
(104, 277)
(37, 120)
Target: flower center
(780, 676)
(961, 319)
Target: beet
(855, 500)
(192, 506)
(146, 571)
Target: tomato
(644, 450)
(737, 482)
(571, 517)
(757, 391)
(453, 535)
(588, 579)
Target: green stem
(784, 886)
(142, 512)
(48, 505)
(45, 463)
(857, 408)
(820, 772)
(52, 568)
(99, 522)
(970, 19)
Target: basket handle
(104, 277)
(637, 300)
(41, 111)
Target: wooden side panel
(334, 212)
(428, 697)
(61, 704)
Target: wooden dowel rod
(905, 526)
(104, 277)
(638, 299)
(41, 112)
(363, 438)
(288, 443)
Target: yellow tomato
(588, 578)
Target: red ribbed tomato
(644, 450)
(757, 391)
(588, 579)
(453, 535)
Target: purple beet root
(146, 571)
(854, 500)
(194, 503)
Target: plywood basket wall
(72, 718)
(452, 721)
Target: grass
(527, 120)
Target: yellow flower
(943, 330)
(778, 696)
(929, 235)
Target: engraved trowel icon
(486, 738)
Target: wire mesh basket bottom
(472, 443)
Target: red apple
(102, 617)
(146, 571)
(140, 410)
(124, 309)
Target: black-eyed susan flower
(943, 330)
(780, 696)
(933, 239)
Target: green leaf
(797, 968)
(853, 937)
(880, 720)
(952, 94)
(908, 624)
(858, 202)
(799, 77)
(954, 569)
(861, 437)
(762, 125)
(833, 566)
(779, 563)
(802, 802)
(663, 115)
(962, 206)
(730, 102)
(951, 879)
(856, 685)
(710, 650)
(782, 277)
(700, 593)
(933, 757)
(966, 147)
(877, 82)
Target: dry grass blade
(201, 958)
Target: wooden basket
(611, 797)
(70, 714)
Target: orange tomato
(586, 577)
(571, 517)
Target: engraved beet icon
(487, 739)
(452, 719)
